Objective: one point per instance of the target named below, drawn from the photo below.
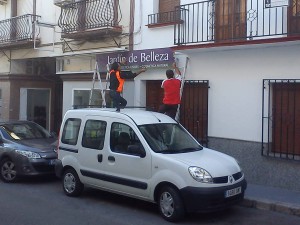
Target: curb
(264, 204)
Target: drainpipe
(131, 24)
(14, 8)
(34, 7)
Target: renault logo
(231, 179)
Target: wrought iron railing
(165, 18)
(226, 21)
(88, 14)
(281, 118)
(20, 28)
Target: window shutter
(168, 5)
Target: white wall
(235, 80)
(235, 76)
(150, 38)
(69, 86)
(5, 11)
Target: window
(168, 138)
(71, 131)
(230, 20)
(294, 17)
(121, 137)
(94, 134)
(168, 5)
(281, 118)
(167, 13)
(82, 98)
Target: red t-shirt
(171, 91)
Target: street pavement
(272, 199)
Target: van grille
(224, 180)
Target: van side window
(122, 136)
(70, 131)
(93, 134)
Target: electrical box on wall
(2, 2)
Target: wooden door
(294, 17)
(286, 118)
(154, 94)
(193, 108)
(231, 21)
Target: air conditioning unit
(61, 2)
(2, 2)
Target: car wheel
(8, 171)
(170, 204)
(71, 184)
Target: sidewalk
(273, 199)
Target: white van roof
(139, 116)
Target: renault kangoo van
(145, 155)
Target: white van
(145, 155)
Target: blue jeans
(117, 99)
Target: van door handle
(100, 157)
(111, 158)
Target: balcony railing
(89, 16)
(17, 30)
(165, 18)
(228, 21)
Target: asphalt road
(42, 202)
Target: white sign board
(276, 3)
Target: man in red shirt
(171, 88)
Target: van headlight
(200, 174)
(28, 154)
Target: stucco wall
(259, 169)
(70, 86)
(235, 80)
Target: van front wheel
(71, 184)
(170, 204)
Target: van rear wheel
(170, 204)
(71, 183)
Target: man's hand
(123, 61)
(141, 71)
(176, 68)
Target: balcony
(18, 31)
(89, 19)
(165, 18)
(225, 21)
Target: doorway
(35, 106)
(193, 109)
(231, 20)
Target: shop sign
(147, 58)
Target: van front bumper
(211, 199)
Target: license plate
(233, 192)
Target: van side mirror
(136, 150)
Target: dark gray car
(26, 149)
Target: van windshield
(169, 138)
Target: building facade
(244, 57)
(240, 59)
